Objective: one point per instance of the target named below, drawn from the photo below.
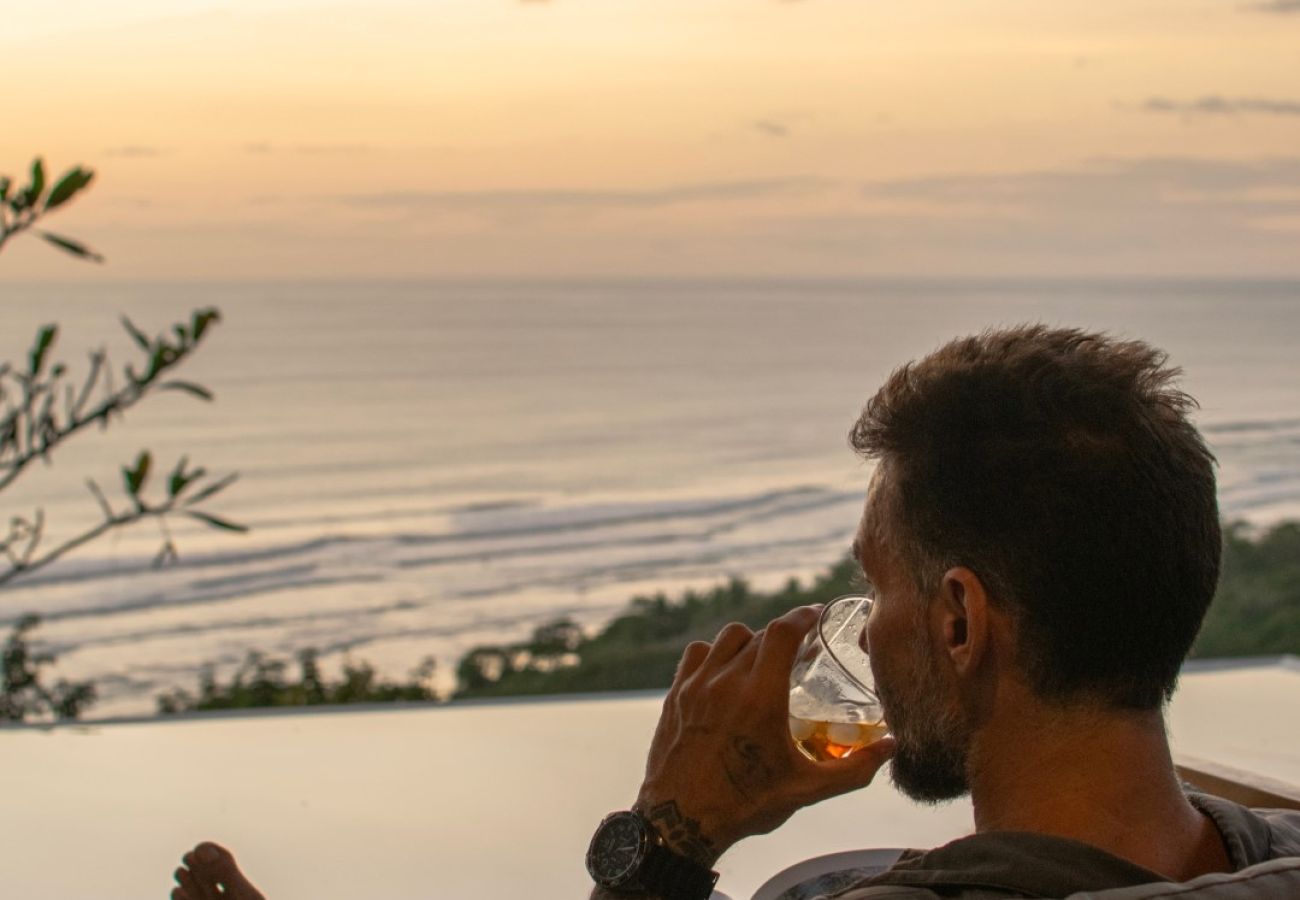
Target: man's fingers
(730, 641)
(781, 640)
(692, 657)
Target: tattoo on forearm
(746, 769)
(682, 833)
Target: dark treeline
(1256, 612)
(640, 648)
(264, 681)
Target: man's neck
(1104, 778)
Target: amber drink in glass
(834, 709)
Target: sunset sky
(627, 138)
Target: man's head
(1055, 474)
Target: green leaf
(37, 184)
(177, 481)
(157, 361)
(5, 182)
(216, 522)
(188, 387)
(142, 463)
(44, 340)
(69, 185)
(202, 319)
(215, 488)
(137, 335)
(135, 477)
(71, 246)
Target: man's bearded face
(933, 736)
(929, 764)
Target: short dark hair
(1061, 467)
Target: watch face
(617, 848)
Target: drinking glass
(834, 709)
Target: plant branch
(20, 545)
(37, 423)
(20, 209)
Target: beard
(933, 740)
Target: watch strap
(674, 877)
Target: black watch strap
(673, 877)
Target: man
(1042, 535)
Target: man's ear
(963, 611)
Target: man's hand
(722, 764)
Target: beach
(426, 466)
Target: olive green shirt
(1262, 845)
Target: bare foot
(210, 873)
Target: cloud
(329, 149)
(133, 151)
(1109, 216)
(1276, 6)
(132, 203)
(261, 147)
(771, 128)
(1102, 217)
(1105, 182)
(1214, 105)
(1140, 216)
(568, 200)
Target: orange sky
(460, 138)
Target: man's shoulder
(1252, 836)
(1275, 878)
(1264, 845)
(1272, 880)
(1284, 830)
(1001, 864)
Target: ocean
(429, 466)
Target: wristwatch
(628, 855)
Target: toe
(211, 852)
(188, 887)
(215, 864)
